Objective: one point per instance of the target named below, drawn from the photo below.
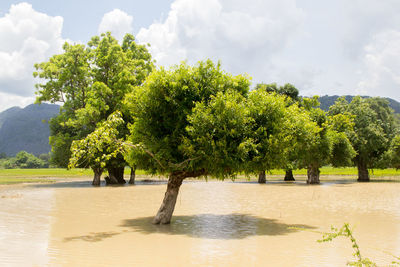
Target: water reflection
(212, 226)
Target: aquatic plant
(346, 231)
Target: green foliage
(45, 158)
(326, 142)
(279, 129)
(287, 90)
(342, 150)
(24, 160)
(374, 127)
(347, 232)
(61, 137)
(91, 80)
(161, 107)
(219, 139)
(232, 133)
(391, 157)
(99, 147)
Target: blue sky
(82, 17)
(322, 47)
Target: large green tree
(374, 129)
(161, 109)
(91, 82)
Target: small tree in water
(279, 128)
(374, 128)
(292, 96)
(327, 143)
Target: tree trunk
(313, 174)
(261, 178)
(363, 174)
(289, 175)
(133, 175)
(115, 175)
(97, 175)
(175, 180)
(164, 214)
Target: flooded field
(214, 224)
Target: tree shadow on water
(211, 226)
(92, 237)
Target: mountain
(26, 129)
(8, 113)
(327, 101)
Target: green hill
(26, 129)
(327, 101)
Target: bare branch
(179, 165)
(145, 150)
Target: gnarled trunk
(115, 175)
(164, 214)
(175, 180)
(133, 175)
(97, 174)
(289, 175)
(363, 174)
(313, 174)
(261, 178)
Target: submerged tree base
(313, 175)
(116, 176)
(262, 178)
(175, 180)
(133, 176)
(363, 173)
(289, 176)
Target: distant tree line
(197, 121)
(24, 160)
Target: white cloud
(243, 35)
(26, 37)
(364, 19)
(382, 65)
(117, 22)
(11, 100)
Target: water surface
(215, 224)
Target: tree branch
(145, 150)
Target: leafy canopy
(374, 126)
(91, 81)
(161, 108)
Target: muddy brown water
(214, 224)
